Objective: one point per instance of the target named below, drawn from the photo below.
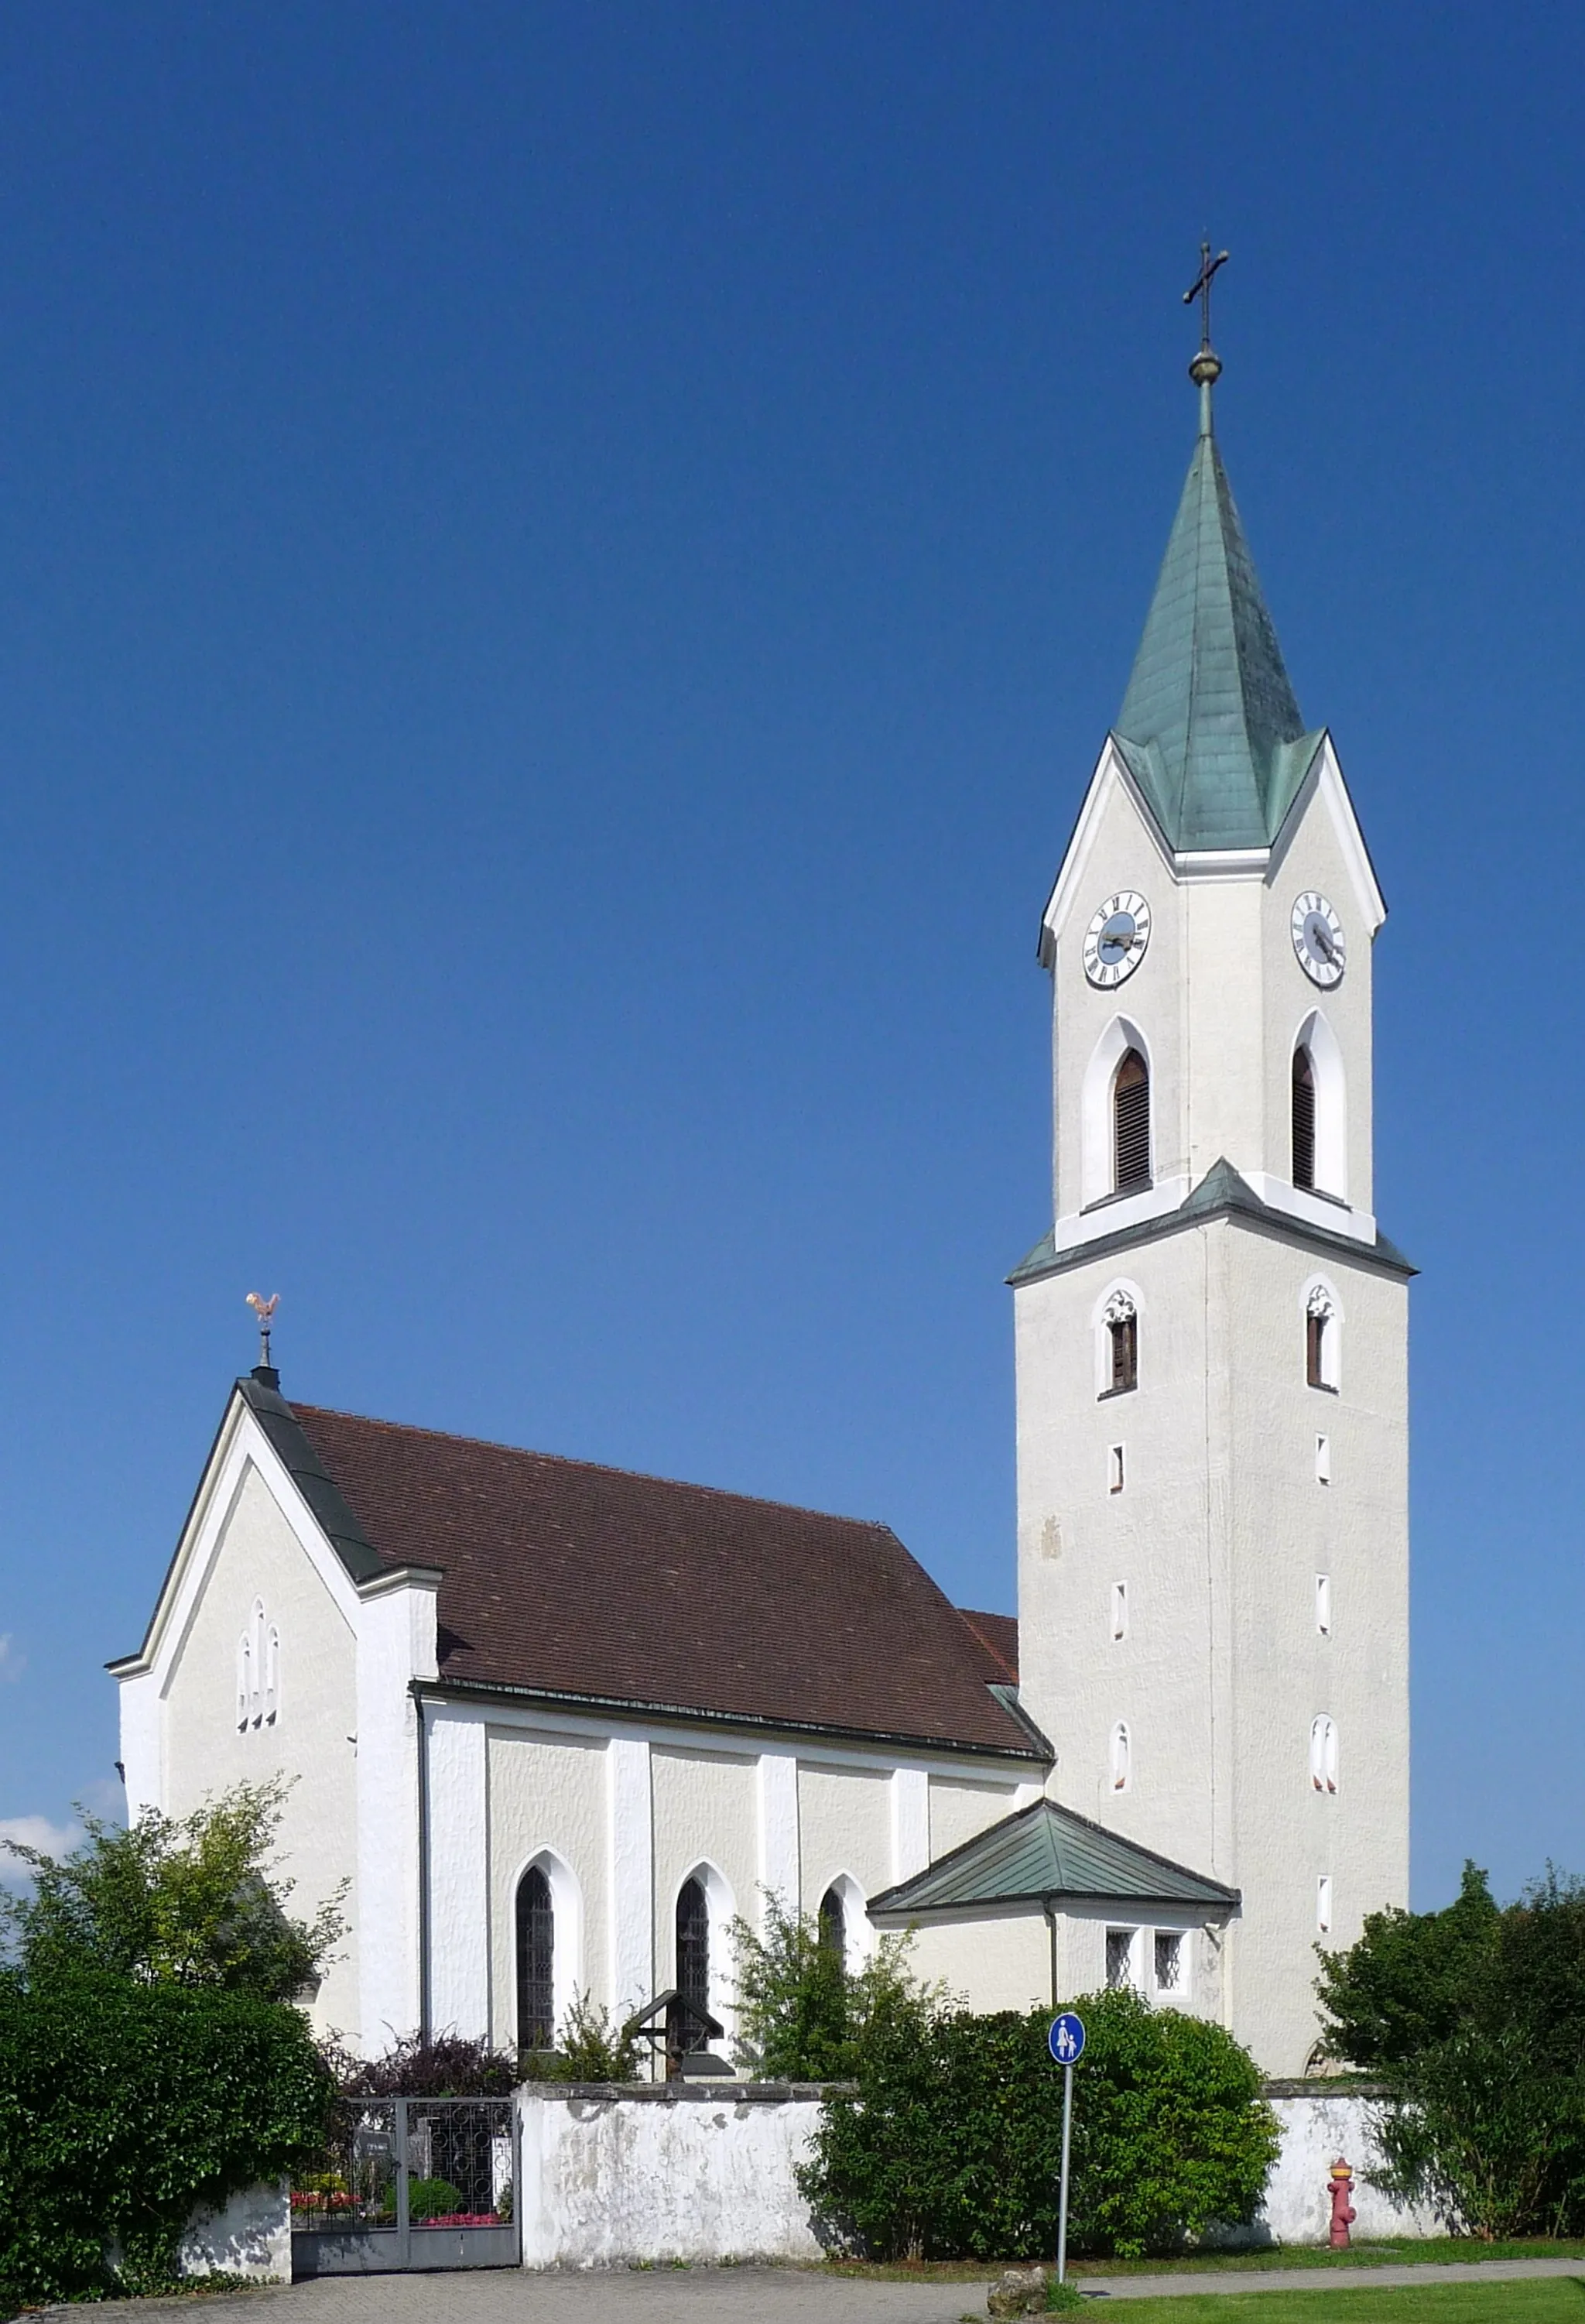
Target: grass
(1559, 2299)
(1432, 2251)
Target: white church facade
(555, 1725)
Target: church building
(555, 1725)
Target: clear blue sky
(562, 571)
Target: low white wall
(1316, 2130)
(676, 2172)
(249, 2235)
(702, 2172)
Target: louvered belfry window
(535, 1962)
(1303, 1119)
(1130, 1102)
(692, 1948)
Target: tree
(951, 2145)
(1405, 1984)
(1475, 2018)
(195, 1902)
(803, 2016)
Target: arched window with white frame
(1116, 1141)
(1322, 1336)
(1319, 1110)
(548, 1936)
(844, 1923)
(1324, 1754)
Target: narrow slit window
(1119, 1610)
(1114, 1469)
(1321, 1326)
(1303, 1119)
(1324, 1904)
(1122, 1757)
(1323, 1754)
(1131, 1111)
(1323, 1460)
(1122, 1319)
(1323, 1604)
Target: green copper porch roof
(1209, 726)
(1047, 1851)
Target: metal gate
(409, 2184)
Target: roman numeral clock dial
(1318, 939)
(1116, 939)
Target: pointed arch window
(834, 1924)
(1320, 1338)
(1122, 1757)
(1304, 1118)
(536, 1962)
(692, 1944)
(1323, 1754)
(1130, 1124)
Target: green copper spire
(1209, 726)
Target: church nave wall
(547, 1799)
(844, 1826)
(958, 1810)
(705, 1808)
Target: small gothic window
(1119, 1957)
(1121, 1757)
(1323, 1604)
(833, 1925)
(1321, 1339)
(1119, 1610)
(244, 1679)
(1169, 1960)
(1323, 1754)
(536, 1962)
(693, 1946)
(1130, 1117)
(1303, 1117)
(1122, 1319)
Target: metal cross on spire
(1206, 368)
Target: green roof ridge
(1209, 726)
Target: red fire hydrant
(1340, 2186)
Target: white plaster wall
(312, 1742)
(249, 2234)
(1316, 2130)
(605, 2181)
(547, 1792)
(706, 1812)
(958, 1810)
(844, 1825)
(996, 1962)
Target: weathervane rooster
(264, 1310)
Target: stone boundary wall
(249, 2235)
(610, 2174)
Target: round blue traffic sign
(1066, 2038)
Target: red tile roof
(999, 1635)
(565, 1578)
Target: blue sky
(562, 571)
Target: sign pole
(1065, 2043)
(1062, 2203)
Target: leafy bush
(446, 2066)
(1475, 2018)
(195, 1902)
(432, 2199)
(121, 2106)
(802, 2018)
(951, 2147)
(593, 2048)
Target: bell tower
(1211, 1341)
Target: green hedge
(122, 2106)
(951, 2147)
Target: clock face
(1318, 938)
(1116, 939)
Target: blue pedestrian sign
(1066, 2038)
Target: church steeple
(1210, 727)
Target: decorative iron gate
(409, 2184)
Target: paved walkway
(747, 2295)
